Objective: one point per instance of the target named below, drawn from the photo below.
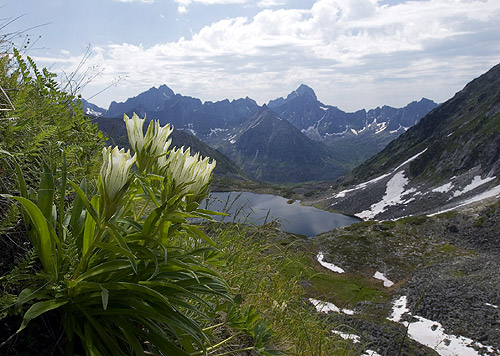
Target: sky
(354, 53)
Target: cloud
(270, 3)
(339, 47)
(183, 4)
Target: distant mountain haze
(302, 130)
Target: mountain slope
(450, 157)
(271, 149)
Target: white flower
(156, 138)
(135, 131)
(149, 147)
(189, 171)
(115, 171)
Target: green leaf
(46, 193)
(123, 246)
(104, 268)
(46, 236)
(90, 225)
(116, 249)
(40, 308)
(62, 195)
(20, 177)
(90, 207)
(77, 221)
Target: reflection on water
(262, 208)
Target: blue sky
(354, 53)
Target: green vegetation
(123, 281)
(268, 268)
(109, 262)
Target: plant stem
(234, 351)
(219, 344)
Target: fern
(22, 272)
(9, 218)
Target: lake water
(262, 208)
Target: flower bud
(149, 147)
(114, 173)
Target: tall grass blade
(90, 225)
(46, 193)
(39, 308)
(45, 237)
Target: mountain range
(450, 158)
(292, 139)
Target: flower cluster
(186, 174)
(189, 172)
(147, 147)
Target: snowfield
(431, 333)
(393, 196)
(476, 182)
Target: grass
(268, 269)
(346, 290)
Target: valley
(250, 178)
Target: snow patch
(370, 353)
(387, 282)
(342, 193)
(327, 307)
(381, 127)
(328, 265)
(346, 336)
(445, 188)
(216, 130)
(409, 160)
(484, 195)
(399, 308)
(393, 196)
(431, 333)
(90, 111)
(232, 139)
(476, 182)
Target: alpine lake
(253, 208)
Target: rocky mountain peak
(302, 90)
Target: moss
(415, 220)
(390, 224)
(448, 248)
(361, 225)
(448, 215)
(348, 289)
